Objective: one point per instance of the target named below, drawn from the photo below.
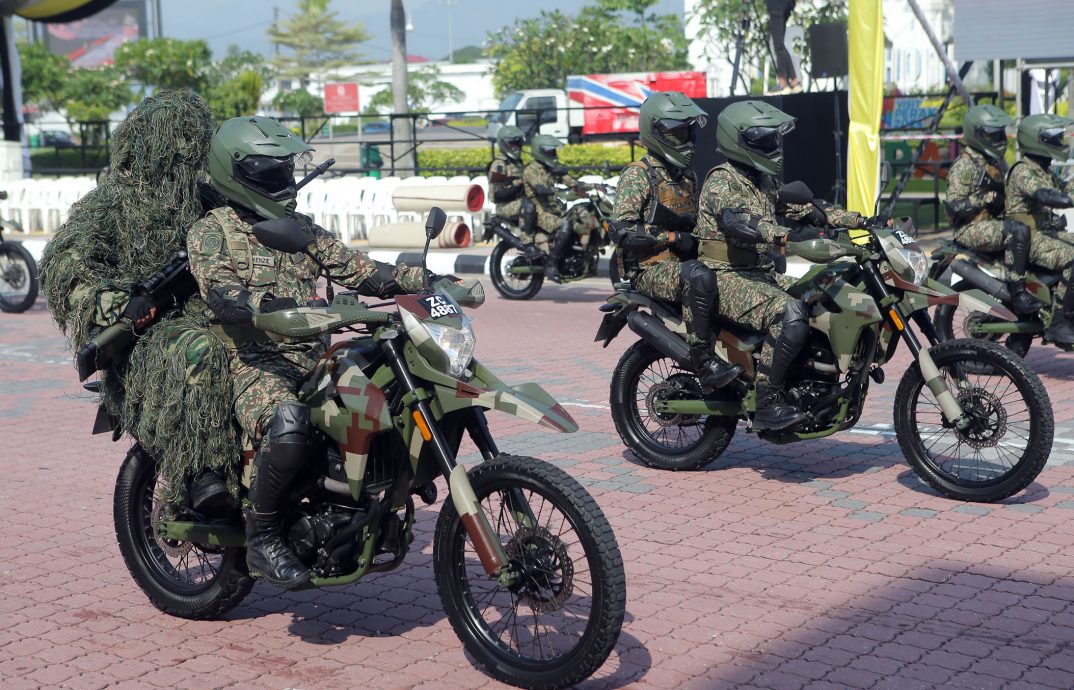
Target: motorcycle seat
(979, 254)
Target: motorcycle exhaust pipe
(979, 279)
(653, 331)
(507, 237)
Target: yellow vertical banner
(866, 50)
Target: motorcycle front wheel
(180, 578)
(558, 622)
(513, 285)
(18, 278)
(1009, 436)
(643, 376)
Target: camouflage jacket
(1023, 181)
(974, 179)
(637, 187)
(535, 174)
(224, 253)
(726, 187)
(504, 175)
(821, 214)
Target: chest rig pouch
(254, 263)
(677, 197)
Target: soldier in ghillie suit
(653, 221)
(736, 229)
(1032, 194)
(252, 163)
(505, 179)
(975, 202)
(539, 179)
(173, 391)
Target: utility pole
(402, 139)
(450, 4)
(275, 29)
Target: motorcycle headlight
(915, 266)
(457, 343)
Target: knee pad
(1016, 231)
(527, 215)
(796, 321)
(291, 423)
(697, 276)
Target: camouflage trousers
(551, 222)
(261, 383)
(985, 236)
(663, 280)
(510, 210)
(1045, 251)
(755, 299)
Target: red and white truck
(592, 105)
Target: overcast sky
(244, 22)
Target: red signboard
(341, 97)
(612, 100)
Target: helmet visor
(675, 132)
(993, 136)
(766, 141)
(1059, 137)
(550, 152)
(511, 144)
(269, 175)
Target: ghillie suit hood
(174, 392)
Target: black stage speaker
(828, 50)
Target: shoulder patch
(211, 244)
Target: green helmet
(1047, 136)
(984, 129)
(544, 148)
(252, 163)
(666, 125)
(509, 140)
(751, 132)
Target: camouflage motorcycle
(968, 269)
(18, 271)
(972, 419)
(517, 267)
(526, 564)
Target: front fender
(934, 293)
(526, 400)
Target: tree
(423, 91)
(166, 63)
(43, 75)
(237, 82)
(540, 52)
(468, 54)
(722, 20)
(299, 102)
(93, 94)
(318, 41)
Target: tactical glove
(740, 226)
(1052, 198)
(505, 194)
(138, 308)
(270, 304)
(231, 305)
(542, 190)
(559, 170)
(684, 245)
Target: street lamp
(450, 5)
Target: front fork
(895, 316)
(485, 540)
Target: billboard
(1005, 30)
(92, 42)
(612, 100)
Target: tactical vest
(675, 195)
(1042, 218)
(254, 263)
(721, 251)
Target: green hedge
(96, 157)
(583, 159)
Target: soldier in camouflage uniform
(505, 175)
(251, 162)
(736, 228)
(652, 222)
(1032, 193)
(539, 180)
(975, 201)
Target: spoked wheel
(180, 578)
(513, 285)
(555, 619)
(1009, 436)
(645, 376)
(18, 278)
(959, 322)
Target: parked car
(376, 128)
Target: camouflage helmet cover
(751, 132)
(1045, 135)
(509, 140)
(544, 148)
(252, 163)
(667, 126)
(984, 128)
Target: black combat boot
(773, 411)
(700, 295)
(277, 463)
(1062, 330)
(1018, 241)
(559, 247)
(209, 495)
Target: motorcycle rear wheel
(180, 578)
(512, 286)
(952, 322)
(686, 444)
(561, 620)
(1012, 427)
(18, 278)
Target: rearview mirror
(283, 235)
(434, 224)
(796, 192)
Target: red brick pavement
(821, 565)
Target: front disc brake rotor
(547, 570)
(988, 418)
